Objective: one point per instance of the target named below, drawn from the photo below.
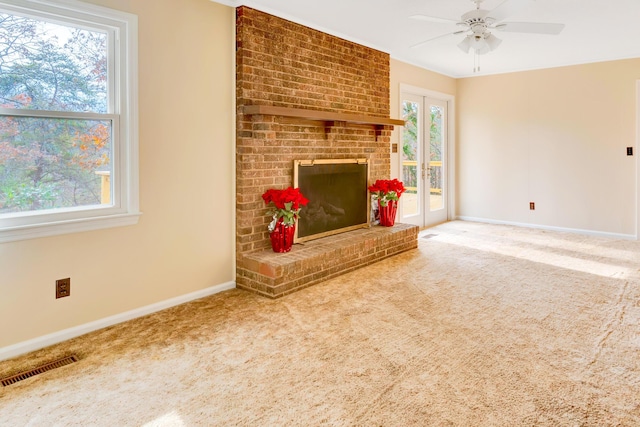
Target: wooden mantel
(325, 116)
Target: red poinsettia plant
(387, 190)
(285, 205)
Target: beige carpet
(483, 325)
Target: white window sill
(11, 234)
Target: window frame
(122, 30)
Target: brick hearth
(283, 64)
(275, 275)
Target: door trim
(637, 165)
(451, 140)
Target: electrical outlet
(629, 151)
(532, 206)
(63, 288)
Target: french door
(423, 160)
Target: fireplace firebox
(337, 193)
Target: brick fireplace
(303, 94)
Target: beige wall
(184, 240)
(403, 73)
(556, 137)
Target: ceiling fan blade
(434, 19)
(530, 27)
(506, 9)
(455, 33)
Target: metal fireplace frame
(303, 163)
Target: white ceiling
(596, 30)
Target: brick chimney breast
(284, 64)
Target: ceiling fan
(477, 24)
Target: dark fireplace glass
(337, 194)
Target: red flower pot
(388, 213)
(282, 237)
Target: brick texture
(284, 64)
(275, 275)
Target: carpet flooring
(482, 325)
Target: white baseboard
(66, 334)
(551, 228)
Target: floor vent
(40, 369)
(428, 236)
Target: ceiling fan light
(485, 49)
(478, 43)
(492, 41)
(465, 44)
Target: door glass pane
(435, 158)
(410, 199)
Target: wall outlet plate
(63, 287)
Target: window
(68, 119)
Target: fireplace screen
(337, 193)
